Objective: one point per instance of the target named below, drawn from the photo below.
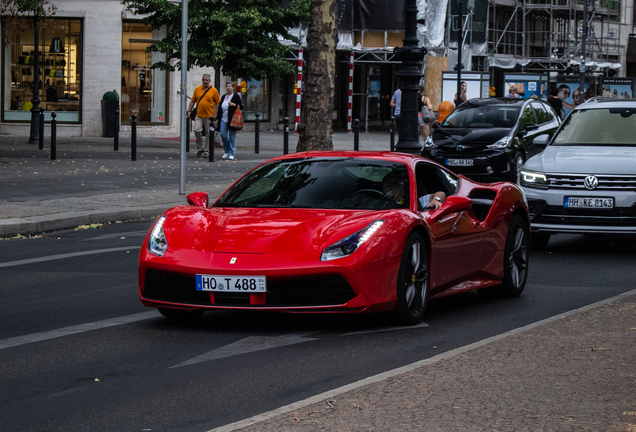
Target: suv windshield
(487, 116)
(602, 126)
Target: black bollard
(257, 134)
(211, 139)
(356, 135)
(53, 136)
(116, 141)
(286, 136)
(41, 146)
(133, 138)
(188, 128)
(392, 133)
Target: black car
(490, 139)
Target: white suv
(585, 179)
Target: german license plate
(459, 162)
(246, 284)
(588, 202)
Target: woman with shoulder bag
(428, 116)
(229, 103)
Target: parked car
(585, 180)
(490, 139)
(320, 232)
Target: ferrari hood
(585, 160)
(242, 230)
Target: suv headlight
(533, 179)
(429, 143)
(502, 143)
(349, 244)
(157, 243)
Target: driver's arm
(436, 200)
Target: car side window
(544, 115)
(430, 178)
(527, 116)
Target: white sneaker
(225, 155)
(231, 158)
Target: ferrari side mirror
(453, 204)
(199, 199)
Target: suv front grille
(605, 182)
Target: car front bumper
(487, 164)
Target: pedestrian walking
(396, 102)
(206, 99)
(229, 103)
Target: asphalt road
(79, 352)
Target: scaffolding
(547, 34)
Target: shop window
(143, 89)
(60, 75)
(255, 99)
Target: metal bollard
(116, 140)
(257, 133)
(356, 135)
(133, 138)
(189, 128)
(211, 139)
(392, 133)
(41, 146)
(53, 136)
(286, 136)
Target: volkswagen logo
(590, 182)
(460, 147)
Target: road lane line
(80, 328)
(401, 370)
(64, 256)
(119, 234)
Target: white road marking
(81, 328)
(401, 370)
(120, 234)
(248, 345)
(66, 255)
(384, 329)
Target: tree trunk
(315, 128)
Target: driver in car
(393, 188)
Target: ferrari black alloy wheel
(180, 314)
(516, 256)
(413, 280)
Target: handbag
(193, 113)
(428, 116)
(237, 119)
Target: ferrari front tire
(413, 282)
(181, 314)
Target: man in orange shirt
(206, 98)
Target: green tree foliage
(241, 36)
(14, 12)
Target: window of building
(60, 76)
(143, 89)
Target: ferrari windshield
(602, 126)
(484, 116)
(326, 183)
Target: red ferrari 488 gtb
(340, 232)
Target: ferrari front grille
(315, 291)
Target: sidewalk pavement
(576, 372)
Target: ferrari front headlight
(350, 244)
(157, 243)
(502, 143)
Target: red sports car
(345, 232)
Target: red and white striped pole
(299, 88)
(349, 110)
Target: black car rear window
(487, 116)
